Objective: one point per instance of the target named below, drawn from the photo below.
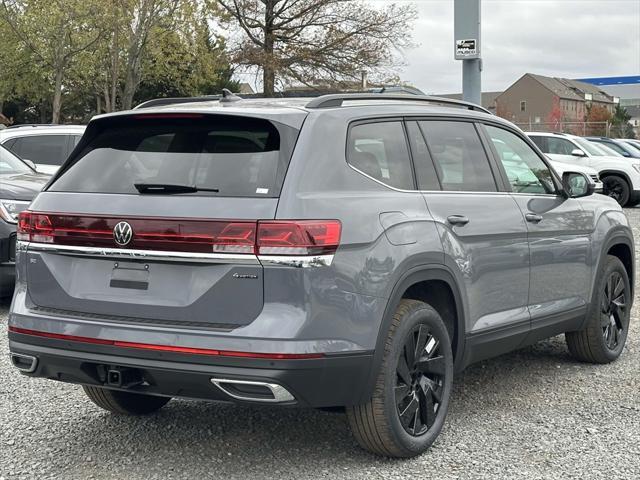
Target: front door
(559, 234)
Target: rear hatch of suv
(154, 219)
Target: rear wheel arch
(433, 284)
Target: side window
(425, 169)
(46, 149)
(380, 150)
(540, 142)
(526, 171)
(9, 144)
(75, 139)
(560, 146)
(459, 157)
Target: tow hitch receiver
(121, 377)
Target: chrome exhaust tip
(254, 391)
(24, 363)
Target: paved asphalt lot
(534, 413)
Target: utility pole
(467, 48)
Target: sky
(562, 38)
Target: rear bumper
(334, 380)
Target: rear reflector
(263, 237)
(166, 348)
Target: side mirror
(577, 184)
(30, 163)
(576, 152)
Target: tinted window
(380, 151)
(45, 149)
(239, 157)
(459, 157)
(425, 169)
(539, 141)
(560, 146)
(526, 171)
(614, 147)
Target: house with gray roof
(536, 99)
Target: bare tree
(144, 16)
(311, 40)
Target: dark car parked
(19, 184)
(619, 146)
(350, 251)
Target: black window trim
(528, 141)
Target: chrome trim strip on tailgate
(150, 255)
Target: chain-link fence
(584, 129)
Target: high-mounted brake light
(154, 116)
(261, 237)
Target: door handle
(533, 218)
(457, 220)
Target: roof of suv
(24, 130)
(296, 109)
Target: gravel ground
(534, 413)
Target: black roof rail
(335, 100)
(156, 102)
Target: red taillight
(264, 237)
(34, 227)
(305, 237)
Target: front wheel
(617, 188)
(410, 399)
(604, 337)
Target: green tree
(310, 40)
(620, 126)
(53, 33)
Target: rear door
(482, 229)
(119, 234)
(559, 231)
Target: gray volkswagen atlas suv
(348, 251)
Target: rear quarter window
(237, 156)
(380, 150)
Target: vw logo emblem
(122, 233)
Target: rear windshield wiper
(169, 188)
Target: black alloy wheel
(616, 188)
(614, 305)
(420, 379)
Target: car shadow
(223, 436)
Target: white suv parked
(45, 146)
(620, 175)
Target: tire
(606, 331)
(377, 424)
(617, 188)
(125, 403)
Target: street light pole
(467, 48)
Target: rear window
(230, 156)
